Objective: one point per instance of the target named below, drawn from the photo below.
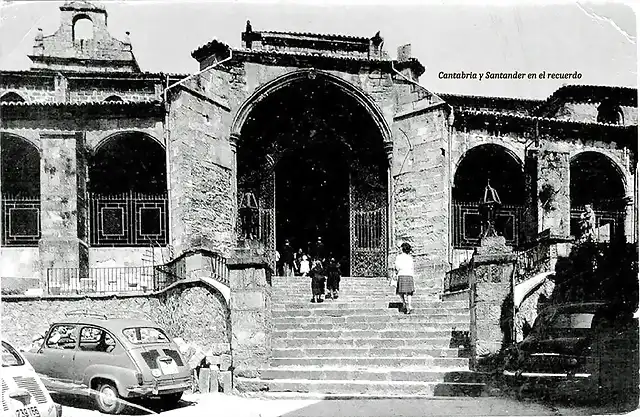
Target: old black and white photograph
(303, 208)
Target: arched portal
(314, 158)
(20, 191)
(128, 192)
(596, 180)
(487, 164)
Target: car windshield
(10, 357)
(142, 335)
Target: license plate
(168, 368)
(28, 412)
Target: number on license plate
(28, 412)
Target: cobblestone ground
(227, 405)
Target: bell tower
(83, 43)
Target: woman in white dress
(405, 271)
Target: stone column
(63, 206)
(388, 148)
(552, 192)
(233, 144)
(251, 316)
(629, 220)
(490, 288)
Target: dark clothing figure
(317, 251)
(287, 259)
(248, 212)
(317, 282)
(333, 278)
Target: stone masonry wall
(195, 313)
(201, 205)
(420, 187)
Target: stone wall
(200, 176)
(193, 312)
(421, 191)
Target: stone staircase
(361, 345)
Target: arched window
(609, 111)
(113, 98)
(82, 28)
(128, 192)
(482, 165)
(11, 97)
(595, 180)
(20, 202)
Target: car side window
(62, 336)
(94, 339)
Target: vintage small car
(23, 394)
(111, 359)
(581, 350)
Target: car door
(55, 357)
(96, 347)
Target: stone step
(320, 353)
(321, 325)
(359, 334)
(381, 388)
(358, 305)
(417, 312)
(431, 342)
(379, 374)
(305, 302)
(398, 363)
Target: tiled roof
(487, 98)
(322, 54)
(500, 114)
(214, 43)
(132, 75)
(80, 103)
(317, 35)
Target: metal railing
(458, 279)
(467, 224)
(134, 279)
(114, 280)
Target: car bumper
(562, 382)
(153, 390)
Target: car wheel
(171, 399)
(108, 400)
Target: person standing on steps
(333, 278)
(287, 259)
(405, 272)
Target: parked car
(584, 349)
(23, 394)
(111, 359)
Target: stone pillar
(552, 192)
(63, 204)
(490, 299)
(251, 316)
(388, 148)
(630, 225)
(233, 144)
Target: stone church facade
(107, 166)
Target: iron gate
(367, 225)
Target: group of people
(326, 271)
(323, 270)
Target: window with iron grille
(129, 219)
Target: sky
(598, 40)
